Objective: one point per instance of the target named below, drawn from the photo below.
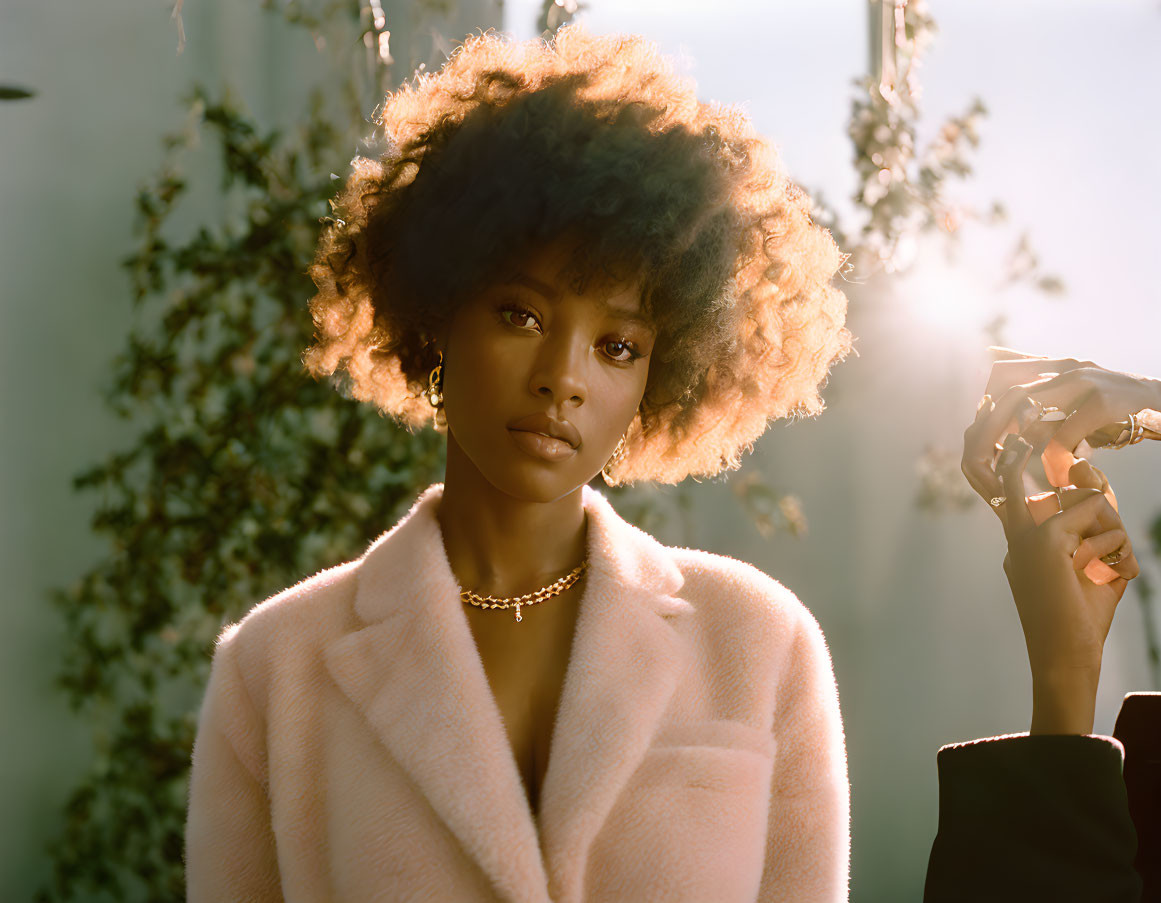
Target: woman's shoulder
(738, 588)
(299, 610)
(740, 606)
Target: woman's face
(528, 355)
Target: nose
(559, 369)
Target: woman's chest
(525, 672)
(528, 706)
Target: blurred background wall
(926, 644)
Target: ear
(441, 332)
(432, 340)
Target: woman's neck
(501, 545)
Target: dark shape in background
(12, 92)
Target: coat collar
(413, 671)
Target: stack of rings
(1131, 434)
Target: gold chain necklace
(545, 592)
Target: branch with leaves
(246, 476)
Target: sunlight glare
(945, 298)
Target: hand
(1065, 615)
(1092, 396)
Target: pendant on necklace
(518, 618)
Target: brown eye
(619, 349)
(518, 314)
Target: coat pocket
(714, 733)
(691, 823)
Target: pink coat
(349, 747)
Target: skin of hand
(1091, 395)
(1065, 596)
(1065, 615)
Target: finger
(1073, 383)
(1078, 433)
(1039, 434)
(1086, 512)
(1043, 505)
(1128, 567)
(1094, 397)
(983, 480)
(1086, 475)
(1093, 548)
(1006, 374)
(1058, 462)
(1012, 367)
(1013, 408)
(1010, 468)
(1101, 572)
(1089, 413)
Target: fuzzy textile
(349, 747)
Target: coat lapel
(413, 671)
(626, 659)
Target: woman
(575, 268)
(1045, 815)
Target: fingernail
(1014, 449)
(1099, 572)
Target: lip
(548, 426)
(541, 446)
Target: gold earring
(618, 455)
(435, 384)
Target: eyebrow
(552, 294)
(536, 285)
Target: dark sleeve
(1033, 818)
(1139, 730)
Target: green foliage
(904, 189)
(942, 487)
(770, 509)
(246, 476)
(905, 193)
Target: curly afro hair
(513, 145)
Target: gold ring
(1114, 557)
(1127, 434)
